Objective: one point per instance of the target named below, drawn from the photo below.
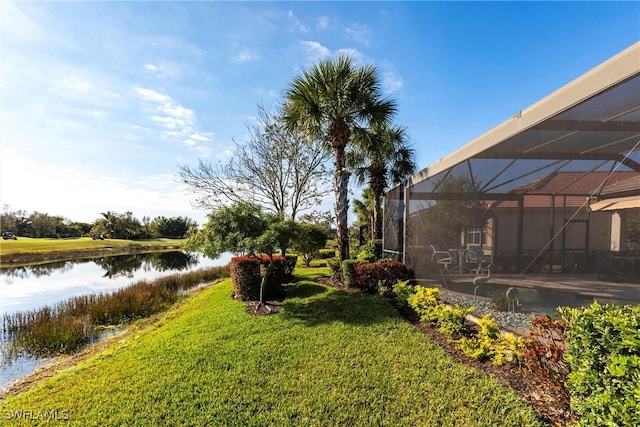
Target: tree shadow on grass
(301, 289)
(315, 304)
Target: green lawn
(31, 245)
(330, 358)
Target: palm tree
(331, 102)
(364, 211)
(381, 155)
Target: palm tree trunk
(340, 184)
(339, 134)
(377, 215)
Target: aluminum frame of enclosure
(531, 180)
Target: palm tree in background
(333, 101)
(363, 208)
(381, 156)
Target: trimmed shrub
(326, 253)
(370, 276)
(349, 273)
(336, 269)
(603, 351)
(246, 276)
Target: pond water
(32, 287)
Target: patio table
(459, 254)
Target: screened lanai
(554, 189)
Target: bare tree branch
(282, 170)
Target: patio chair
(442, 258)
(476, 255)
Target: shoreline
(64, 362)
(35, 258)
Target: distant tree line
(110, 224)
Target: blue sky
(101, 102)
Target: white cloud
(354, 54)
(179, 123)
(164, 70)
(314, 51)
(246, 55)
(391, 82)
(16, 25)
(322, 22)
(151, 95)
(359, 33)
(201, 137)
(295, 23)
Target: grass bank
(329, 358)
(30, 250)
(68, 325)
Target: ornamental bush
(490, 344)
(326, 253)
(349, 273)
(403, 291)
(336, 269)
(543, 352)
(246, 276)
(448, 319)
(370, 276)
(603, 351)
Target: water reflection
(31, 287)
(127, 265)
(37, 270)
(113, 266)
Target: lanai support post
(520, 233)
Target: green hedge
(246, 276)
(349, 272)
(369, 276)
(603, 351)
(326, 253)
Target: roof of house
(621, 187)
(571, 189)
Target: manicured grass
(329, 358)
(30, 245)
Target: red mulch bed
(551, 405)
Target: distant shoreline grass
(29, 251)
(328, 358)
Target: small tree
(310, 239)
(240, 227)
